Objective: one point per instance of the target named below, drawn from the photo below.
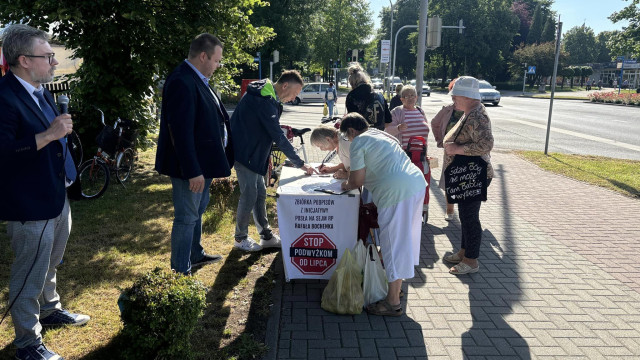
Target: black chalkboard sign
(466, 179)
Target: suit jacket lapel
(207, 89)
(25, 97)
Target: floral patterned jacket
(475, 135)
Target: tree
(126, 46)
(484, 46)
(627, 41)
(294, 32)
(520, 8)
(537, 22)
(603, 52)
(406, 47)
(566, 72)
(540, 55)
(549, 31)
(580, 43)
(344, 24)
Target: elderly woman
(327, 138)
(408, 120)
(397, 186)
(441, 124)
(470, 136)
(361, 97)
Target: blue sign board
(630, 61)
(620, 58)
(531, 70)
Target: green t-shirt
(390, 176)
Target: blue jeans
(330, 104)
(187, 224)
(253, 196)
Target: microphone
(63, 102)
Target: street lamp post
(390, 46)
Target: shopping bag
(325, 110)
(375, 286)
(343, 294)
(335, 110)
(360, 254)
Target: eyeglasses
(50, 57)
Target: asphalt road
(577, 127)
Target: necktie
(69, 166)
(225, 136)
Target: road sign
(531, 70)
(620, 58)
(313, 253)
(630, 61)
(385, 51)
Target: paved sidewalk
(558, 280)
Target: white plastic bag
(335, 110)
(375, 285)
(360, 254)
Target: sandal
(387, 309)
(452, 258)
(463, 268)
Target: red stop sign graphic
(313, 253)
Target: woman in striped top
(408, 120)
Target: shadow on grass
(223, 295)
(624, 188)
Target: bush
(160, 312)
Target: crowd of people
(198, 142)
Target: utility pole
(422, 39)
(524, 78)
(553, 84)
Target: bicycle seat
(300, 132)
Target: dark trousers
(471, 228)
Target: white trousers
(400, 235)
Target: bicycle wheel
(276, 160)
(94, 178)
(124, 165)
(75, 147)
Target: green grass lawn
(126, 233)
(618, 175)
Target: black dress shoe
(207, 259)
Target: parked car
(312, 92)
(489, 93)
(393, 83)
(344, 83)
(426, 89)
(377, 84)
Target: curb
(273, 323)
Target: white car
(377, 84)
(426, 89)
(312, 92)
(393, 83)
(489, 93)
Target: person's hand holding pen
(309, 170)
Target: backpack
(375, 111)
(330, 94)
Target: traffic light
(349, 55)
(339, 65)
(361, 55)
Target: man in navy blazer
(194, 147)
(37, 168)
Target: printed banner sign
(466, 179)
(315, 227)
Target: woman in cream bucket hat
(470, 136)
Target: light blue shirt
(390, 175)
(215, 98)
(30, 89)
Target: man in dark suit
(38, 167)
(192, 148)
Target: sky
(572, 13)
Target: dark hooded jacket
(255, 125)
